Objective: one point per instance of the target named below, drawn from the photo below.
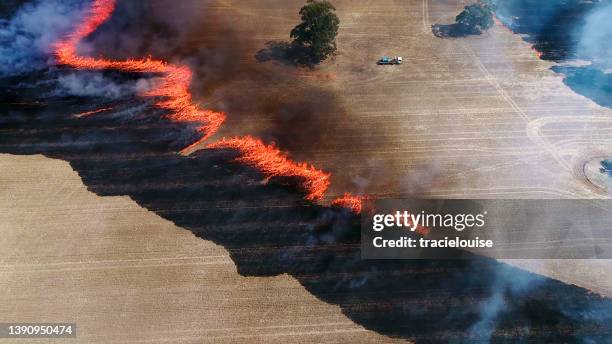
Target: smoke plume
(93, 84)
(595, 37)
(26, 39)
(508, 285)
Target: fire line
(174, 95)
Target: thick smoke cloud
(26, 39)
(227, 76)
(26, 45)
(562, 29)
(272, 101)
(297, 109)
(146, 28)
(596, 35)
(565, 31)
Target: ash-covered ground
(571, 33)
(267, 227)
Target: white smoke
(509, 283)
(26, 44)
(95, 84)
(26, 39)
(596, 35)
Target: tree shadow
(288, 54)
(270, 230)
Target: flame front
(274, 163)
(173, 88)
(93, 112)
(537, 52)
(174, 95)
(352, 202)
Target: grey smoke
(97, 85)
(26, 45)
(26, 39)
(508, 284)
(596, 35)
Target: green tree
(318, 29)
(477, 17)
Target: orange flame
(173, 88)
(349, 201)
(173, 92)
(509, 29)
(537, 52)
(93, 112)
(274, 163)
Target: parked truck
(385, 60)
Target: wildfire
(172, 92)
(274, 163)
(537, 52)
(509, 29)
(349, 201)
(93, 112)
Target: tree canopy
(318, 29)
(477, 17)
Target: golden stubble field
(125, 275)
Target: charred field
(333, 117)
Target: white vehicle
(385, 60)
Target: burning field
(191, 111)
(173, 90)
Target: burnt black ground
(554, 28)
(270, 230)
(551, 26)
